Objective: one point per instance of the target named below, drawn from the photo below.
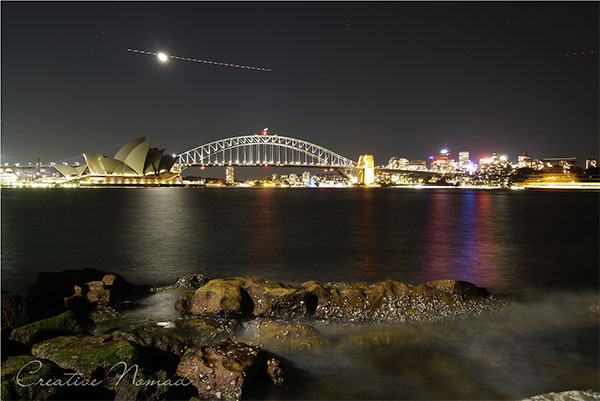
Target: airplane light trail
(580, 53)
(164, 57)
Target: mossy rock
(218, 296)
(161, 338)
(45, 370)
(280, 335)
(63, 324)
(144, 385)
(186, 332)
(184, 302)
(88, 355)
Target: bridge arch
(258, 150)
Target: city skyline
(387, 79)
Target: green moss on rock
(87, 354)
(44, 370)
(63, 324)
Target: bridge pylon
(366, 164)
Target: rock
(184, 302)
(388, 300)
(191, 282)
(100, 313)
(275, 371)
(76, 302)
(164, 339)
(575, 395)
(146, 385)
(32, 370)
(96, 285)
(185, 332)
(245, 295)
(63, 324)
(109, 279)
(392, 300)
(278, 335)
(594, 309)
(226, 370)
(271, 298)
(98, 296)
(205, 330)
(221, 296)
(463, 289)
(46, 296)
(12, 304)
(91, 356)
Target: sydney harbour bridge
(262, 150)
(277, 151)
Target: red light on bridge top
(265, 131)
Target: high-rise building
(229, 175)
(398, 163)
(417, 165)
(306, 177)
(556, 164)
(463, 158)
(524, 160)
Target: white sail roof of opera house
(134, 158)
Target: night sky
(390, 79)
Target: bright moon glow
(162, 57)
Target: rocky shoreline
(223, 344)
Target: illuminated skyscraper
(463, 158)
(524, 161)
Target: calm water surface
(540, 248)
(506, 241)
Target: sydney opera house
(135, 163)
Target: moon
(162, 56)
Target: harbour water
(537, 248)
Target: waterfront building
(398, 163)
(229, 174)
(559, 164)
(134, 163)
(495, 166)
(417, 165)
(442, 163)
(8, 176)
(463, 158)
(524, 161)
(306, 177)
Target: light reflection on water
(506, 241)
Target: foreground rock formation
(201, 348)
(574, 395)
(222, 371)
(53, 293)
(388, 300)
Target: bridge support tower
(367, 173)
